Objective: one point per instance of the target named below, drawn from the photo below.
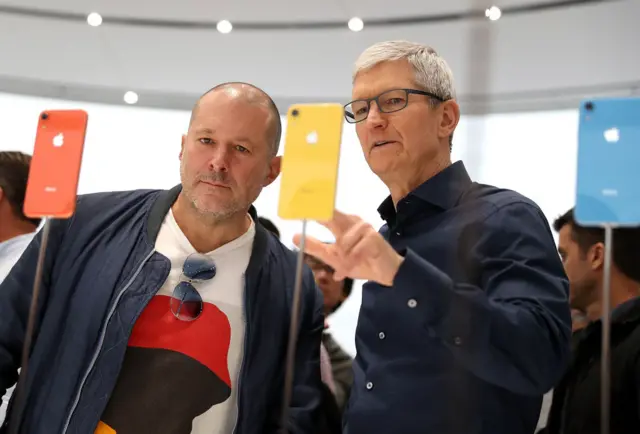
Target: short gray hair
(431, 71)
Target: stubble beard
(212, 217)
(215, 216)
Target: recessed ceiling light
(356, 24)
(224, 26)
(493, 13)
(94, 19)
(131, 97)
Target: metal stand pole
(606, 332)
(19, 397)
(293, 335)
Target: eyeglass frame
(186, 284)
(316, 264)
(352, 120)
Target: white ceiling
(264, 10)
(539, 59)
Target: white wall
(129, 148)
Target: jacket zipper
(244, 353)
(103, 332)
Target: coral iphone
(55, 166)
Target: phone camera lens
(294, 113)
(589, 106)
(44, 116)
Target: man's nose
(375, 118)
(219, 161)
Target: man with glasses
(465, 321)
(167, 312)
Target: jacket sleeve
(15, 301)
(511, 324)
(307, 394)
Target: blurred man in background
(582, 252)
(335, 293)
(576, 401)
(465, 321)
(16, 230)
(168, 311)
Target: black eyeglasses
(186, 302)
(388, 102)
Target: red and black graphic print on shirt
(173, 372)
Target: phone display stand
(293, 334)
(605, 377)
(63, 128)
(307, 190)
(606, 197)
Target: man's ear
(1, 194)
(596, 256)
(183, 141)
(274, 170)
(449, 119)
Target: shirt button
(369, 385)
(381, 335)
(412, 303)
(457, 341)
(398, 233)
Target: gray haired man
(465, 320)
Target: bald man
(167, 312)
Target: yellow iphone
(310, 162)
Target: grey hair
(432, 72)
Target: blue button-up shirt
(476, 327)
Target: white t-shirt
(181, 377)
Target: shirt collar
(442, 190)
(16, 241)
